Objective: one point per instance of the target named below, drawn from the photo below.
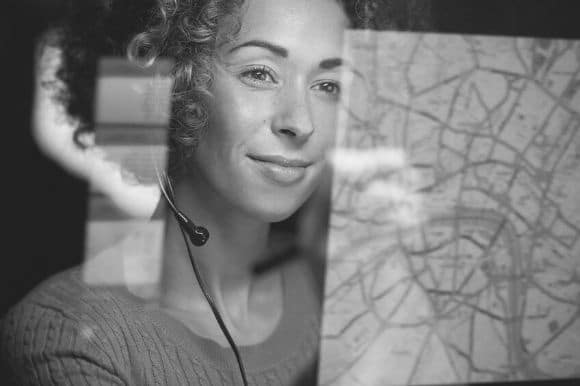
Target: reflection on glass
(124, 235)
(482, 284)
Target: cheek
(238, 115)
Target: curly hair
(85, 31)
(186, 31)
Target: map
(454, 251)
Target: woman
(257, 86)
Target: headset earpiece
(197, 234)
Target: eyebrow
(329, 64)
(275, 49)
(326, 64)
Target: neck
(225, 262)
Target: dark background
(44, 208)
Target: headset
(198, 236)
(144, 92)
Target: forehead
(294, 24)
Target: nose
(293, 115)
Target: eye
(260, 76)
(330, 88)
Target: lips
(281, 160)
(281, 170)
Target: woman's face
(276, 90)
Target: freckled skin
(287, 112)
(274, 94)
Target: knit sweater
(66, 332)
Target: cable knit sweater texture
(68, 333)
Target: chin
(278, 204)
(272, 215)
(276, 209)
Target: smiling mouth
(281, 170)
(281, 161)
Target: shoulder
(66, 295)
(64, 330)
